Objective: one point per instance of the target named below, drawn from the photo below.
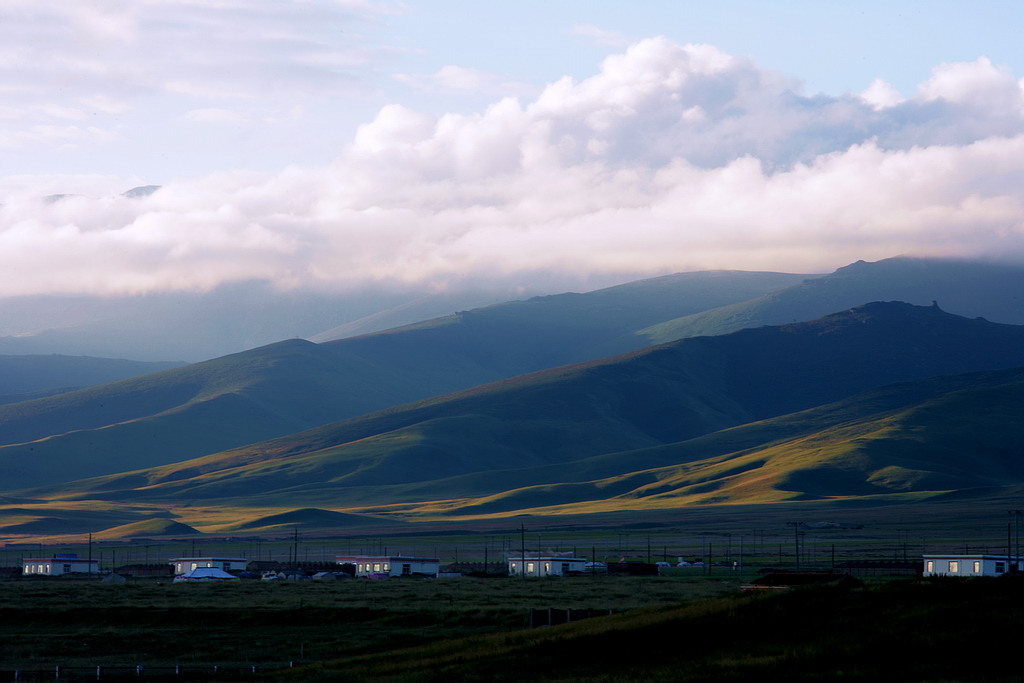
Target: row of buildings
(382, 566)
(375, 566)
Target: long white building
(546, 566)
(391, 565)
(962, 564)
(58, 565)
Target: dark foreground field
(83, 624)
(670, 628)
(905, 630)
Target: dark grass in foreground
(908, 630)
(44, 623)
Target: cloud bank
(671, 157)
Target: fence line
(123, 672)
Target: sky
(442, 144)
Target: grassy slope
(575, 421)
(286, 387)
(947, 433)
(159, 526)
(967, 288)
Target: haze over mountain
(658, 407)
(195, 326)
(24, 377)
(993, 290)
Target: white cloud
(881, 95)
(671, 157)
(103, 60)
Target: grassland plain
(83, 624)
(668, 629)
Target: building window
(67, 568)
(547, 567)
(376, 566)
(387, 567)
(954, 566)
(529, 568)
(977, 567)
(1000, 567)
(930, 566)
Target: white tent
(205, 574)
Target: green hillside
(294, 385)
(597, 431)
(951, 433)
(994, 291)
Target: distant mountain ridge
(293, 385)
(991, 290)
(473, 443)
(366, 426)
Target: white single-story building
(59, 564)
(183, 565)
(546, 566)
(955, 564)
(391, 565)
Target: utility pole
(522, 541)
(1013, 553)
(796, 540)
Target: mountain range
(559, 405)
(293, 385)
